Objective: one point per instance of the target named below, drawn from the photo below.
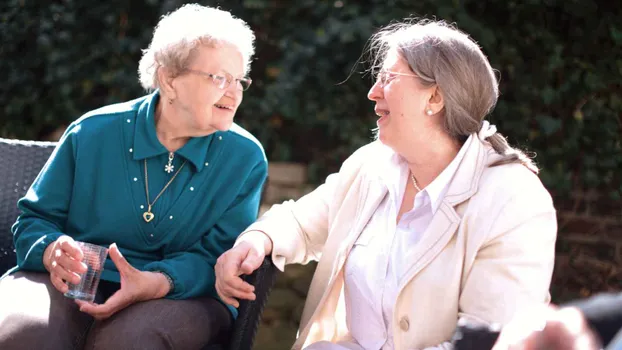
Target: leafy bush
(559, 61)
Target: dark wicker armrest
(247, 323)
(20, 162)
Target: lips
(381, 112)
(223, 106)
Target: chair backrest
(20, 163)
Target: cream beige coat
(488, 252)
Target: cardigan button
(404, 323)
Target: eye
(220, 80)
(384, 78)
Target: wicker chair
(21, 161)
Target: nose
(376, 92)
(233, 91)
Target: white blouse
(373, 269)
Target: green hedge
(560, 64)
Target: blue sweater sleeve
(192, 271)
(45, 206)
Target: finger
(69, 264)
(98, 311)
(71, 248)
(238, 294)
(232, 302)
(225, 297)
(58, 283)
(117, 258)
(238, 283)
(226, 294)
(252, 262)
(115, 303)
(58, 270)
(238, 288)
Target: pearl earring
(429, 112)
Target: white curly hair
(179, 32)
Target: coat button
(404, 324)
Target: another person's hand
(136, 286)
(560, 329)
(244, 258)
(63, 260)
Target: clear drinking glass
(94, 258)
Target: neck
(170, 134)
(427, 158)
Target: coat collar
(463, 185)
(446, 220)
(465, 181)
(147, 144)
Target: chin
(223, 125)
(385, 139)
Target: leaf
(549, 125)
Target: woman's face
(201, 104)
(401, 102)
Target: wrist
(164, 282)
(46, 258)
(258, 239)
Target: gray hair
(440, 54)
(181, 31)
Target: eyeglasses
(223, 80)
(384, 77)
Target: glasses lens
(220, 81)
(245, 83)
(382, 78)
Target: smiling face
(201, 106)
(401, 103)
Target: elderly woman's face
(400, 101)
(206, 103)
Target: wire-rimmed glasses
(223, 80)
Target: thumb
(252, 262)
(119, 261)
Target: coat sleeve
(44, 208)
(299, 229)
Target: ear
(436, 102)
(165, 78)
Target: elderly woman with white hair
(438, 220)
(167, 181)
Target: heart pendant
(148, 216)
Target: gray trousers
(34, 315)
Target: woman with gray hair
(166, 181)
(438, 220)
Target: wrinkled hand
(560, 329)
(63, 260)
(244, 258)
(136, 286)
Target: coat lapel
(356, 212)
(446, 220)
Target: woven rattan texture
(20, 163)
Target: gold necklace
(412, 177)
(148, 215)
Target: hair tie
(487, 130)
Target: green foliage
(559, 63)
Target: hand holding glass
(94, 257)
